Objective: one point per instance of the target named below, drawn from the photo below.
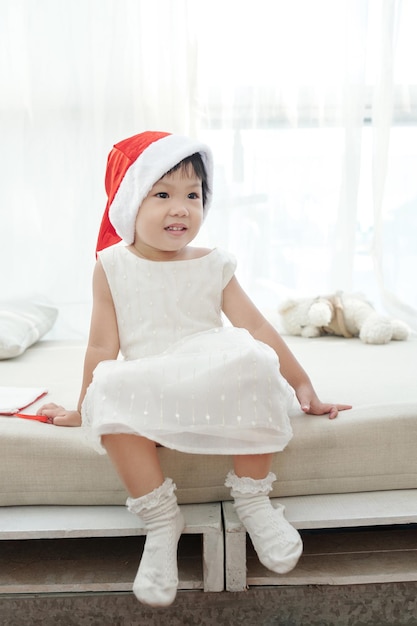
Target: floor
(360, 605)
(80, 582)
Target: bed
(360, 469)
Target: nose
(179, 209)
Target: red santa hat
(134, 165)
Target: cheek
(141, 221)
(146, 223)
(199, 219)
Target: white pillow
(23, 323)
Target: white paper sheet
(14, 399)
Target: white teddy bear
(342, 314)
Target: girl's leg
(136, 461)
(153, 501)
(255, 465)
(276, 542)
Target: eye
(162, 194)
(193, 196)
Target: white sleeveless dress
(185, 380)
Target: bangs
(193, 165)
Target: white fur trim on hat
(155, 161)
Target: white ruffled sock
(156, 582)
(277, 543)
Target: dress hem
(227, 450)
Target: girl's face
(170, 216)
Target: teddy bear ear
(287, 306)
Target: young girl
(186, 381)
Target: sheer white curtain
(309, 197)
(394, 244)
(313, 105)
(294, 90)
(77, 76)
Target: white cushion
(23, 323)
(372, 447)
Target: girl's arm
(241, 312)
(103, 345)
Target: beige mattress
(372, 447)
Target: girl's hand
(310, 404)
(59, 416)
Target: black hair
(196, 162)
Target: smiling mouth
(175, 228)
